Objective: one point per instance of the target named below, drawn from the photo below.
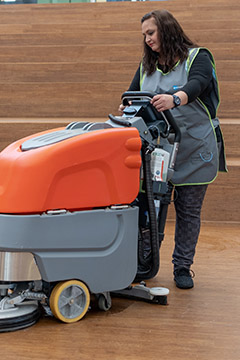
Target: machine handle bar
(148, 95)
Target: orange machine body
(95, 169)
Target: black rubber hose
(150, 273)
(118, 121)
(162, 216)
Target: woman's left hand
(162, 102)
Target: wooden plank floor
(201, 323)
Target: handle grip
(148, 95)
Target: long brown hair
(174, 43)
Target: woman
(183, 77)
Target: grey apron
(198, 157)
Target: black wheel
(161, 300)
(104, 303)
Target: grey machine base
(98, 247)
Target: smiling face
(150, 33)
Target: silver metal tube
(173, 155)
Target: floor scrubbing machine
(69, 214)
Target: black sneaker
(183, 278)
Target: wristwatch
(176, 100)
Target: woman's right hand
(121, 108)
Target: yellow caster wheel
(69, 301)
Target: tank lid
(49, 139)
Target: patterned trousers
(188, 205)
